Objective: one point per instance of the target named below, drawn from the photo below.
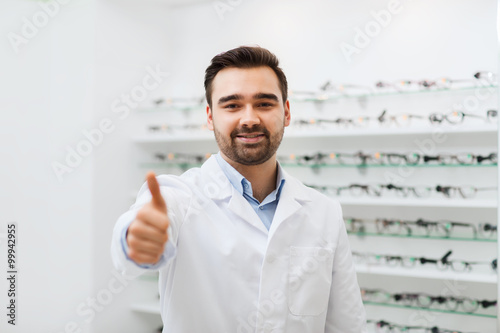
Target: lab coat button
(268, 328)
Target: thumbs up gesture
(147, 234)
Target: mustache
(247, 130)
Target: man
(240, 245)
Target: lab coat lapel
(224, 190)
(240, 206)
(291, 200)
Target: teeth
(250, 136)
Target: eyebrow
(233, 97)
(225, 99)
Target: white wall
(426, 39)
(132, 36)
(46, 100)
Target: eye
(231, 106)
(266, 104)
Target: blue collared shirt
(265, 209)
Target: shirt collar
(239, 182)
(280, 180)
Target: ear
(287, 113)
(210, 121)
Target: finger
(142, 245)
(153, 217)
(147, 232)
(154, 188)
(143, 258)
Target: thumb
(157, 200)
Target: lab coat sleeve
(177, 200)
(346, 313)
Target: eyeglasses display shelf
(348, 123)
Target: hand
(147, 234)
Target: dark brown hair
(244, 57)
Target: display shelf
(324, 97)
(473, 135)
(430, 309)
(427, 273)
(154, 307)
(415, 202)
(391, 202)
(320, 166)
(486, 129)
(363, 234)
(146, 307)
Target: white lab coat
(222, 271)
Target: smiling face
(248, 115)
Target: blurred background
(80, 81)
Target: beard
(249, 153)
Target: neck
(262, 176)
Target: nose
(249, 117)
